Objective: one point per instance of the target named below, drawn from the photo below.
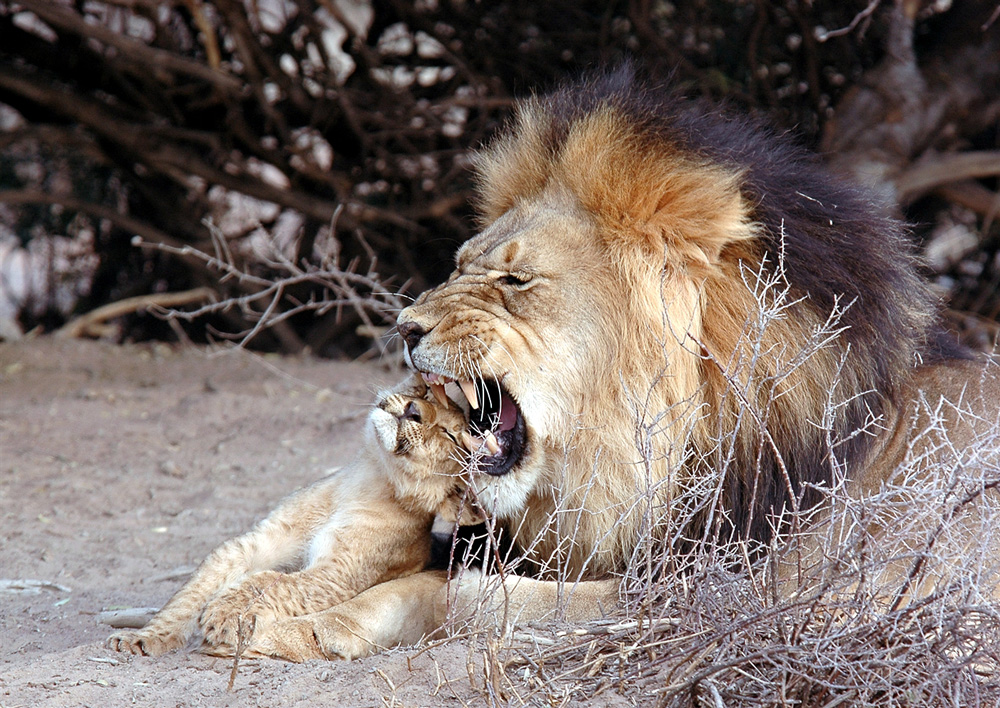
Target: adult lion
(661, 296)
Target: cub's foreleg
(356, 549)
(278, 541)
(396, 612)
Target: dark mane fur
(838, 247)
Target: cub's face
(424, 434)
(511, 335)
(418, 440)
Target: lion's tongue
(508, 412)
(505, 419)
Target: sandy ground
(120, 469)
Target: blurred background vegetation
(325, 144)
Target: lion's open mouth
(497, 433)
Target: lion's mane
(688, 202)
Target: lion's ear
(700, 212)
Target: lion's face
(513, 328)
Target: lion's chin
(504, 497)
(497, 438)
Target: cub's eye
(515, 279)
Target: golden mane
(695, 215)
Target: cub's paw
(327, 635)
(145, 642)
(245, 608)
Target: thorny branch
(149, 118)
(269, 301)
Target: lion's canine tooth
(438, 391)
(491, 442)
(469, 389)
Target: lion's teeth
(474, 443)
(469, 389)
(468, 442)
(438, 391)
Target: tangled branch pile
(268, 118)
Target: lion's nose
(411, 332)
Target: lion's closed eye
(515, 279)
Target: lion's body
(700, 330)
(364, 524)
(679, 329)
(643, 234)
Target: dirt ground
(120, 469)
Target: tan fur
(608, 291)
(946, 441)
(363, 525)
(612, 292)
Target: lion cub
(364, 524)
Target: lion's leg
(406, 610)
(276, 541)
(397, 612)
(515, 600)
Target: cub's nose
(411, 332)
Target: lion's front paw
(243, 609)
(327, 635)
(144, 642)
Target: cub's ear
(420, 410)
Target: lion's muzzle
(497, 435)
